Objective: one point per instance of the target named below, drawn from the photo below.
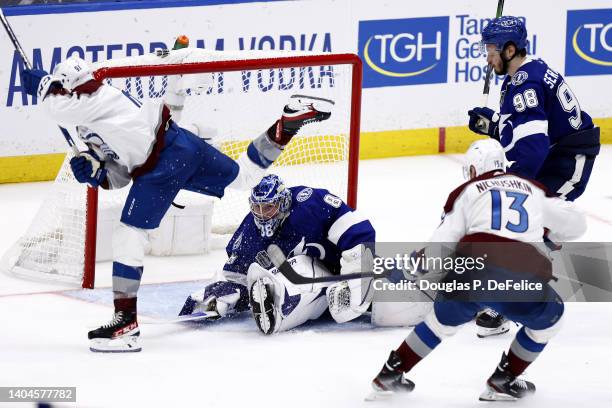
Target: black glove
(484, 121)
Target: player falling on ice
(511, 212)
(541, 125)
(321, 235)
(135, 141)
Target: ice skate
(390, 380)
(503, 386)
(261, 297)
(301, 110)
(490, 323)
(120, 335)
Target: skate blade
(376, 395)
(309, 98)
(483, 332)
(127, 344)
(490, 394)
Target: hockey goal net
(232, 97)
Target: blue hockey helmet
(270, 203)
(503, 30)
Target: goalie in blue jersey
(543, 129)
(321, 236)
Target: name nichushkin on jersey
(517, 184)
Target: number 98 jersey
(509, 206)
(538, 110)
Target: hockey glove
(223, 297)
(31, 79)
(484, 121)
(88, 168)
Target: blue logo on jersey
(404, 52)
(519, 78)
(588, 46)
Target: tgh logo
(589, 42)
(404, 52)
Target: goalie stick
(480, 124)
(188, 318)
(26, 62)
(279, 260)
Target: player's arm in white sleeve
(69, 110)
(453, 225)
(563, 219)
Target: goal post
(237, 95)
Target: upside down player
(135, 141)
(541, 125)
(321, 236)
(512, 212)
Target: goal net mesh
(228, 108)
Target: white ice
(43, 326)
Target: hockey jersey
(118, 128)
(507, 206)
(538, 110)
(319, 225)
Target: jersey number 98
(569, 103)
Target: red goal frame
(228, 66)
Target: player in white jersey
(503, 216)
(129, 140)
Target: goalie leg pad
(394, 314)
(293, 305)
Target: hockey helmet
(484, 155)
(270, 203)
(72, 72)
(503, 30)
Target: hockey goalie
(321, 235)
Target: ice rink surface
(43, 326)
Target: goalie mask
(484, 155)
(72, 72)
(270, 203)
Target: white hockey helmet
(72, 72)
(484, 155)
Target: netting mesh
(227, 108)
(53, 245)
(232, 108)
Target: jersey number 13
(516, 205)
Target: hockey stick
(28, 65)
(279, 260)
(481, 124)
(188, 318)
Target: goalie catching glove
(351, 298)
(88, 168)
